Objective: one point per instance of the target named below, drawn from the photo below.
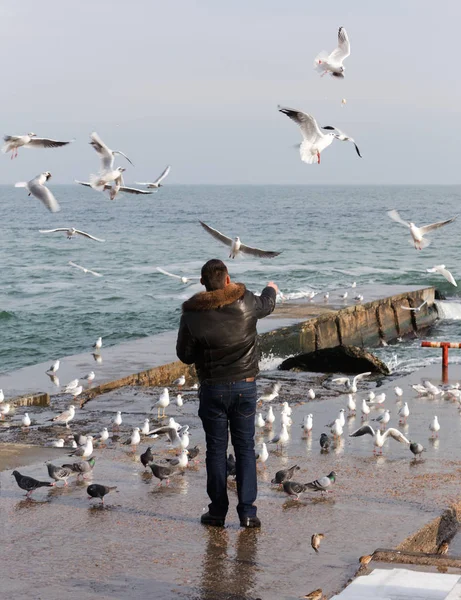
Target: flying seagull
(157, 183)
(71, 232)
(444, 272)
(416, 309)
(236, 245)
(342, 137)
(181, 277)
(99, 182)
(13, 142)
(84, 269)
(105, 153)
(123, 188)
(333, 63)
(418, 233)
(378, 437)
(351, 387)
(314, 140)
(37, 188)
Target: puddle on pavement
(147, 540)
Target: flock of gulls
(110, 180)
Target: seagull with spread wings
(378, 437)
(71, 232)
(343, 137)
(122, 189)
(13, 142)
(333, 63)
(236, 245)
(85, 270)
(181, 277)
(416, 308)
(157, 183)
(351, 387)
(442, 270)
(105, 153)
(37, 188)
(314, 140)
(418, 233)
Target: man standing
(218, 333)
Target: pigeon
(315, 541)
(194, 452)
(26, 420)
(293, 488)
(333, 63)
(81, 468)
(30, 140)
(29, 484)
(96, 490)
(162, 472)
(84, 451)
(342, 137)
(59, 473)
(324, 442)
(66, 416)
(231, 466)
(163, 402)
(157, 183)
(378, 437)
(98, 344)
(236, 245)
(434, 426)
(322, 484)
(284, 475)
(442, 270)
(351, 386)
(418, 233)
(146, 457)
(54, 367)
(417, 449)
(36, 188)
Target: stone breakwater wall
(364, 325)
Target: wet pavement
(147, 541)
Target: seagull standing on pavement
(434, 426)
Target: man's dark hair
(214, 273)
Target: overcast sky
(196, 85)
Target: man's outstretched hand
(273, 285)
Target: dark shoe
(250, 522)
(207, 519)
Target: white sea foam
(449, 310)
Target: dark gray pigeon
(194, 452)
(147, 457)
(325, 442)
(81, 468)
(29, 484)
(284, 475)
(293, 489)
(417, 449)
(59, 473)
(322, 484)
(96, 490)
(163, 472)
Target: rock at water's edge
(340, 359)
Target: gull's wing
(361, 376)
(106, 187)
(144, 183)
(308, 125)
(130, 190)
(12, 138)
(217, 234)
(394, 215)
(343, 137)
(63, 416)
(89, 236)
(45, 143)
(169, 274)
(44, 195)
(415, 308)
(95, 273)
(163, 175)
(53, 230)
(444, 272)
(72, 264)
(84, 269)
(124, 156)
(426, 228)
(340, 380)
(396, 435)
(344, 47)
(258, 252)
(364, 430)
(105, 153)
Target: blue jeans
(224, 406)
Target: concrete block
(327, 332)
(386, 319)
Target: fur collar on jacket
(214, 299)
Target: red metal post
(445, 347)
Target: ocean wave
(6, 315)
